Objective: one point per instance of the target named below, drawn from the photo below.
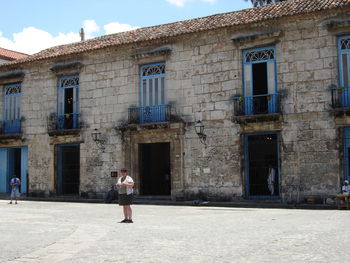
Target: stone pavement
(86, 232)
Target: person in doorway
(345, 189)
(126, 184)
(14, 183)
(271, 179)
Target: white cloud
(181, 3)
(32, 40)
(178, 3)
(90, 27)
(116, 27)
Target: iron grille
(149, 114)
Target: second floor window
(260, 88)
(68, 102)
(12, 109)
(344, 61)
(12, 102)
(152, 90)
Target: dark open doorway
(260, 87)
(16, 155)
(155, 169)
(68, 169)
(262, 155)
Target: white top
(271, 177)
(128, 180)
(345, 189)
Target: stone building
(269, 85)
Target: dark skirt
(125, 199)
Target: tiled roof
(247, 16)
(11, 55)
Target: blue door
(24, 169)
(4, 176)
(346, 152)
(13, 161)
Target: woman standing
(126, 190)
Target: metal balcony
(340, 97)
(257, 104)
(10, 127)
(149, 114)
(57, 122)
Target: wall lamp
(199, 128)
(97, 138)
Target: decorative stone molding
(243, 120)
(11, 76)
(153, 51)
(262, 38)
(70, 66)
(338, 25)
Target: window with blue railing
(67, 116)
(11, 123)
(260, 85)
(153, 107)
(341, 94)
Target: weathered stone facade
(204, 71)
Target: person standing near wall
(126, 184)
(345, 189)
(15, 183)
(271, 179)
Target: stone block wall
(203, 73)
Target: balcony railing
(10, 126)
(58, 122)
(257, 104)
(149, 114)
(340, 97)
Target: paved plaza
(84, 232)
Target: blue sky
(29, 26)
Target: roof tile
(247, 16)
(11, 55)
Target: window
(260, 88)
(12, 108)
(152, 84)
(153, 107)
(342, 93)
(68, 102)
(344, 61)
